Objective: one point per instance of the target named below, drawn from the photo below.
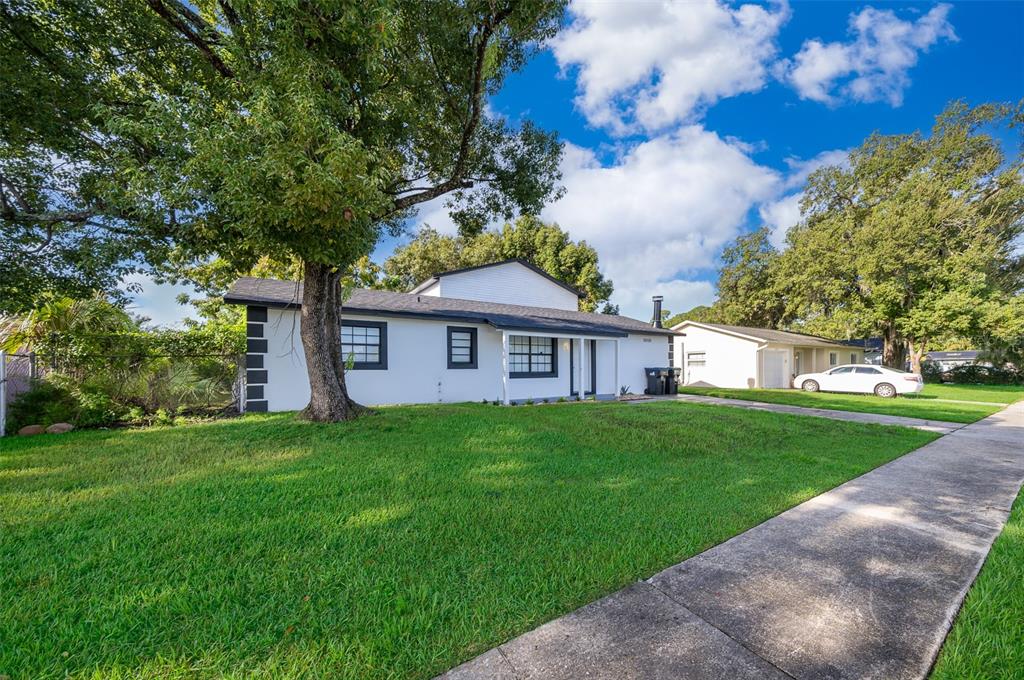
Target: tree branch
(75, 216)
(186, 27)
(457, 179)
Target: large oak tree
(239, 129)
(917, 240)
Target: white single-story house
(737, 356)
(503, 332)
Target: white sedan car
(883, 381)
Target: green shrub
(97, 409)
(930, 372)
(43, 404)
(162, 417)
(973, 374)
(49, 402)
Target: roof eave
(469, 317)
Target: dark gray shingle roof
(771, 335)
(274, 293)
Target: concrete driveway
(860, 582)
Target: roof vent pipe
(657, 310)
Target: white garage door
(775, 368)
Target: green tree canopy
(747, 291)
(528, 238)
(700, 314)
(63, 74)
(917, 241)
(235, 129)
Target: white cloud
(874, 65)
(661, 212)
(435, 215)
(782, 213)
(801, 168)
(649, 65)
(658, 215)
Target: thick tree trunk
(894, 349)
(916, 355)
(320, 330)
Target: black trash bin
(673, 380)
(661, 380)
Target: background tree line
(918, 240)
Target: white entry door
(775, 368)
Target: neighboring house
(457, 337)
(738, 356)
(950, 360)
(872, 348)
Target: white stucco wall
(729, 361)
(736, 362)
(637, 353)
(510, 283)
(418, 366)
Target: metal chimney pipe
(657, 310)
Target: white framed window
(532, 357)
(833, 358)
(696, 358)
(365, 344)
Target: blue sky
(687, 124)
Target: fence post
(241, 384)
(33, 367)
(3, 393)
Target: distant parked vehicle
(882, 381)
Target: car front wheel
(885, 391)
(810, 386)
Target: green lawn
(394, 546)
(998, 394)
(918, 407)
(987, 640)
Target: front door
(589, 367)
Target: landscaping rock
(59, 428)
(31, 429)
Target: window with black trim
(461, 347)
(364, 344)
(853, 357)
(531, 357)
(833, 358)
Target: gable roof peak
(515, 260)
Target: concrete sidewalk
(860, 582)
(940, 426)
